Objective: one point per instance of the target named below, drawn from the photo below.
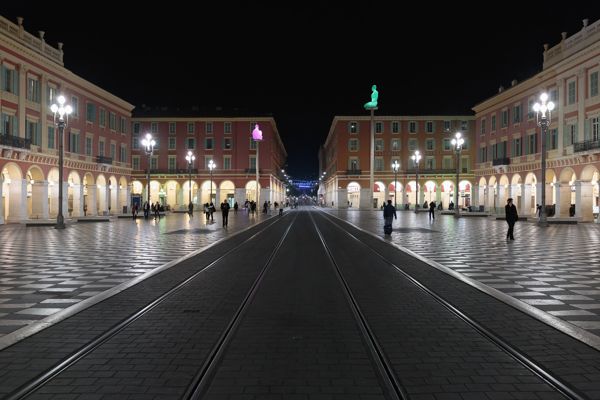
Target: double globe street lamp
(61, 125)
(457, 142)
(416, 158)
(190, 161)
(149, 143)
(543, 123)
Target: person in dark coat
(225, 212)
(211, 209)
(134, 211)
(511, 217)
(389, 213)
(146, 210)
(432, 210)
(156, 211)
(191, 208)
(235, 208)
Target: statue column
(91, 200)
(387, 196)
(2, 201)
(421, 195)
(17, 190)
(22, 97)
(218, 199)
(39, 200)
(78, 200)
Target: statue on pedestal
(374, 96)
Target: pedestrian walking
(85, 210)
(134, 211)
(511, 217)
(281, 209)
(432, 210)
(146, 210)
(389, 213)
(538, 210)
(191, 208)
(211, 209)
(253, 206)
(235, 208)
(156, 211)
(225, 213)
(265, 206)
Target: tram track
(540, 371)
(42, 379)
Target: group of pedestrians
(147, 208)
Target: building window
(227, 143)
(123, 154)
(517, 114)
(395, 127)
(154, 163)
(208, 144)
(113, 151)
(123, 125)
(572, 92)
(447, 143)
(430, 144)
(90, 114)
(190, 143)
(136, 163)
(429, 127)
(447, 126)
(190, 127)
(595, 132)
(430, 163)
(50, 137)
(101, 148)
(75, 106)
(464, 125)
(379, 145)
(378, 127)
(493, 128)
(353, 164)
(227, 127)
(172, 163)
(10, 80)
(395, 144)
(172, 143)
(209, 128)
(353, 127)
(412, 127)
(392, 163)
(137, 127)
(88, 146)
(483, 126)
(103, 117)
(136, 144)
(531, 113)
(553, 98)
(154, 127)
(33, 94)
(594, 84)
(172, 126)
(252, 144)
(252, 162)
(227, 163)
(379, 164)
(532, 143)
(413, 144)
(353, 144)
(518, 148)
(113, 121)
(50, 96)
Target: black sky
(303, 61)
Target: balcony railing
(15, 141)
(433, 171)
(105, 160)
(353, 172)
(252, 171)
(170, 171)
(586, 146)
(501, 161)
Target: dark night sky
(305, 62)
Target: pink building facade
(509, 142)
(97, 142)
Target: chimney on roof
(513, 83)
(501, 89)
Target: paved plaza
(44, 271)
(554, 269)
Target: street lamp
(543, 123)
(372, 106)
(395, 166)
(149, 143)
(416, 158)
(457, 143)
(212, 165)
(61, 110)
(190, 159)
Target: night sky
(304, 62)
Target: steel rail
(557, 383)
(39, 381)
(395, 389)
(204, 376)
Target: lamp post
(212, 165)
(257, 136)
(416, 158)
(61, 125)
(190, 160)
(543, 123)
(395, 166)
(457, 143)
(372, 106)
(149, 143)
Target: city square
(267, 203)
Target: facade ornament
(560, 82)
(23, 68)
(581, 73)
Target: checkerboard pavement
(44, 270)
(555, 269)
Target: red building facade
(221, 136)
(97, 165)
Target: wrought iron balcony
(586, 146)
(105, 160)
(15, 141)
(175, 171)
(501, 161)
(353, 172)
(252, 171)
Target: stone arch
(36, 173)
(588, 173)
(88, 179)
(173, 199)
(227, 192)
(516, 179)
(101, 180)
(482, 181)
(353, 189)
(430, 188)
(73, 177)
(12, 171)
(530, 178)
(12, 174)
(503, 180)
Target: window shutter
(514, 114)
(205, 143)
(223, 143)
(527, 145)
(78, 144)
(357, 144)
(534, 143)
(587, 129)
(27, 132)
(89, 111)
(231, 143)
(38, 134)
(433, 130)
(349, 144)
(16, 82)
(565, 135)
(512, 152)
(520, 112)
(576, 133)
(508, 117)
(15, 122)
(3, 77)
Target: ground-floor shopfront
(29, 189)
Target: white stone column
(501, 196)
(218, 198)
(387, 195)
(490, 199)
(113, 202)
(65, 206)
(438, 194)
(513, 191)
(118, 208)
(182, 205)
(78, 200)
(144, 197)
(565, 199)
(366, 202)
(17, 190)
(557, 197)
(341, 200)
(103, 206)
(39, 200)
(239, 197)
(584, 206)
(54, 200)
(127, 200)
(422, 195)
(91, 200)
(2, 202)
(475, 197)
(525, 199)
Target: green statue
(374, 96)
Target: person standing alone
(389, 213)
(146, 209)
(432, 210)
(191, 208)
(511, 217)
(225, 212)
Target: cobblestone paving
(44, 270)
(555, 269)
